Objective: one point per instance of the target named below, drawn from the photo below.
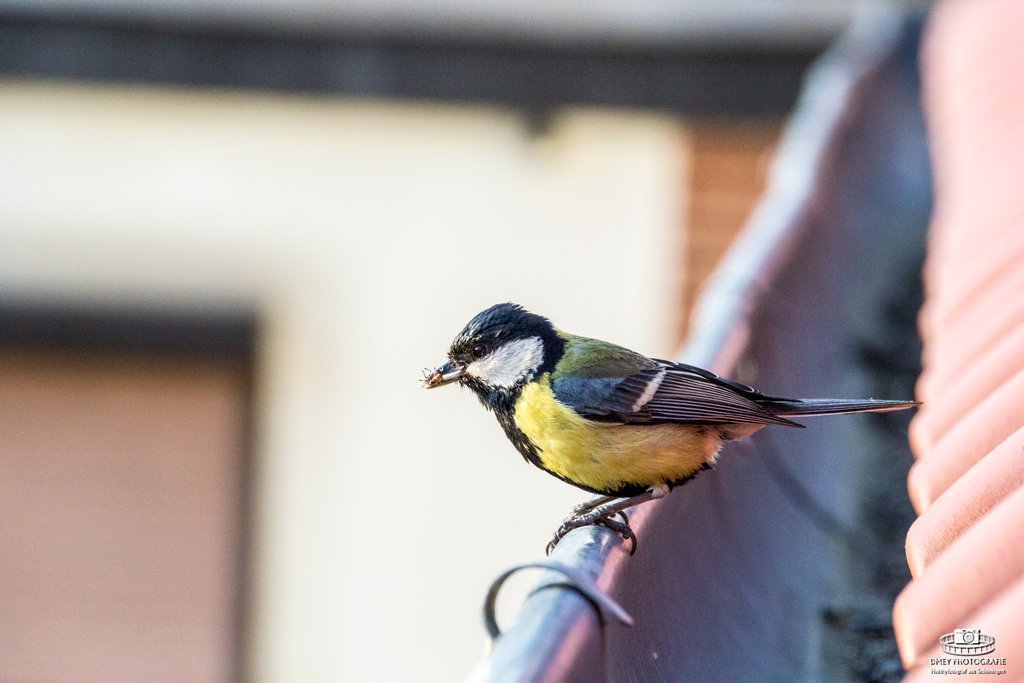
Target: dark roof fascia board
(722, 81)
(638, 24)
(80, 327)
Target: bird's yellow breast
(607, 457)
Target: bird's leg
(602, 514)
(586, 506)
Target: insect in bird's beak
(446, 374)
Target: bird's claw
(623, 530)
(592, 516)
(559, 534)
(585, 507)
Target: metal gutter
(709, 587)
(720, 321)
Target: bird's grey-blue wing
(668, 392)
(605, 397)
(686, 395)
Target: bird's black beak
(446, 374)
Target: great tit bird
(606, 419)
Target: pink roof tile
(966, 551)
(952, 350)
(943, 413)
(949, 398)
(977, 566)
(999, 474)
(1001, 619)
(992, 260)
(973, 437)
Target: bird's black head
(500, 350)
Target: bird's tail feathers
(810, 407)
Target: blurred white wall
(366, 234)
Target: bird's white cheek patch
(509, 363)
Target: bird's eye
(479, 351)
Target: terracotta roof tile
(986, 296)
(966, 551)
(977, 566)
(949, 353)
(1001, 619)
(989, 261)
(998, 474)
(948, 401)
(998, 416)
